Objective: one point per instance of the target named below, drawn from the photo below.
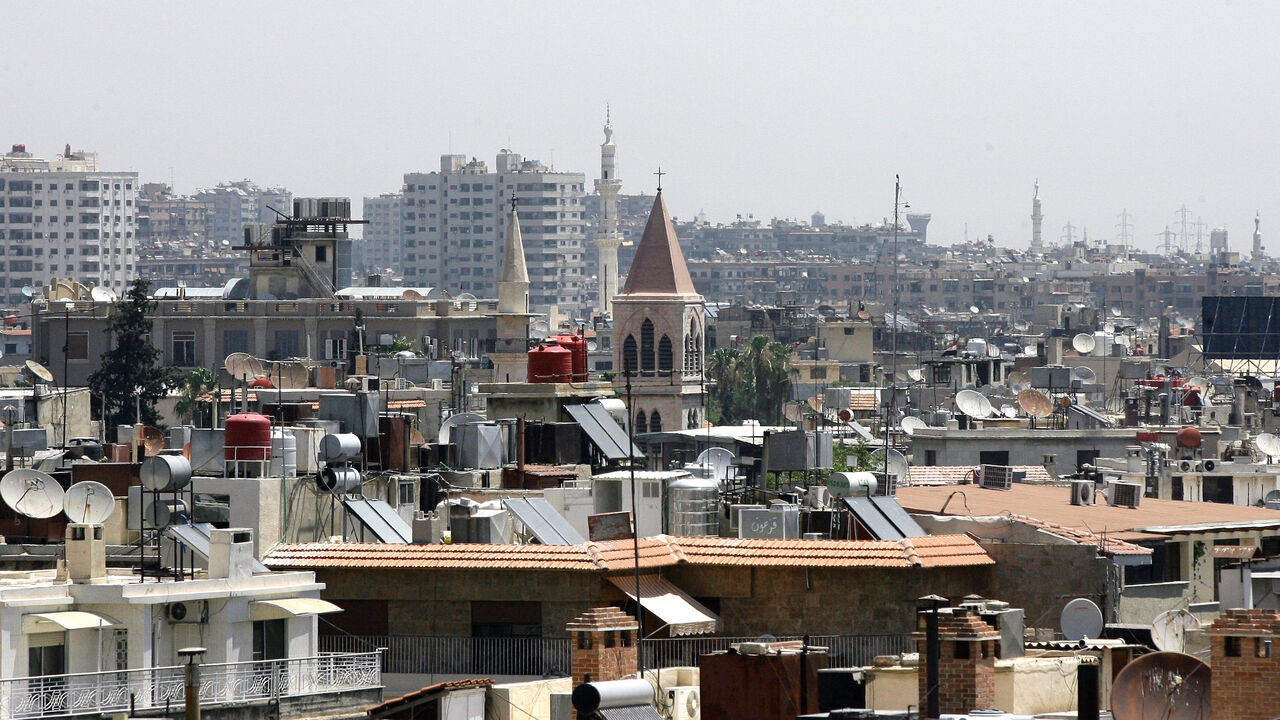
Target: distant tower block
(919, 223)
(820, 221)
(607, 236)
(1037, 218)
(1257, 238)
(1218, 241)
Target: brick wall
(1245, 657)
(967, 666)
(604, 646)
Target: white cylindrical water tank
(616, 409)
(284, 454)
(693, 507)
(340, 447)
(165, 473)
(851, 484)
(340, 480)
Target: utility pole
(1168, 236)
(1125, 227)
(1068, 234)
(1183, 236)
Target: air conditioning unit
(1189, 466)
(1082, 492)
(1123, 494)
(684, 703)
(370, 383)
(1210, 465)
(995, 477)
(195, 611)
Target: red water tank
(577, 345)
(1189, 437)
(263, 382)
(549, 363)
(248, 437)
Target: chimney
(86, 553)
(966, 665)
(231, 553)
(1245, 665)
(603, 645)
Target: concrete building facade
(381, 249)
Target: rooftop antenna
(893, 381)
(1200, 228)
(1125, 227)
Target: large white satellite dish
(1035, 403)
(718, 460)
(973, 403)
(31, 493)
(39, 371)
(1083, 373)
(1169, 630)
(88, 502)
(454, 421)
(243, 366)
(1081, 619)
(916, 374)
(1083, 343)
(1115, 312)
(911, 424)
(897, 463)
(1268, 444)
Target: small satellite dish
(815, 403)
(1035, 403)
(974, 309)
(28, 291)
(1268, 445)
(1009, 411)
(592, 346)
(102, 294)
(39, 371)
(1081, 619)
(1162, 686)
(911, 424)
(1083, 373)
(793, 411)
(454, 421)
(31, 493)
(718, 459)
(1109, 328)
(152, 440)
(897, 463)
(973, 403)
(1169, 630)
(864, 315)
(1115, 312)
(1196, 381)
(88, 502)
(1029, 350)
(1083, 343)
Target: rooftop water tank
(577, 347)
(693, 507)
(549, 363)
(248, 437)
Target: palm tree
(752, 383)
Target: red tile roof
(410, 699)
(655, 552)
(659, 267)
(1106, 543)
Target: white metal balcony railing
(162, 687)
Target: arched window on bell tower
(655, 422)
(666, 362)
(646, 346)
(630, 358)
(642, 423)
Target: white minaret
(1037, 244)
(510, 352)
(1257, 238)
(607, 237)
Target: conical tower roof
(659, 267)
(514, 268)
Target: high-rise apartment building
(382, 247)
(65, 218)
(454, 225)
(235, 204)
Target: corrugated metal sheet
(682, 614)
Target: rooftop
(1051, 504)
(655, 552)
(956, 474)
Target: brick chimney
(1243, 655)
(604, 645)
(967, 669)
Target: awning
(1234, 552)
(682, 614)
(65, 620)
(289, 607)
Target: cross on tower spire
(659, 174)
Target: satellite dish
(718, 460)
(1197, 381)
(1081, 619)
(102, 294)
(290, 375)
(152, 440)
(1169, 629)
(31, 493)
(973, 403)
(1162, 686)
(916, 374)
(1009, 411)
(1029, 350)
(1109, 328)
(39, 371)
(28, 291)
(1083, 373)
(793, 411)
(1268, 444)
(815, 403)
(974, 309)
(1035, 403)
(453, 421)
(864, 315)
(911, 424)
(243, 366)
(592, 345)
(993, 350)
(897, 463)
(411, 294)
(1083, 343)
(88, 502)
(1115, 312)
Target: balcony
(132, 691)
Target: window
(629, 355)
(184, 348)
(962, 650)
(46, 654)
(286, 345)
(406, 493)
(665, 359)
(993, 457)
(268, 640)
(642, 422)
(655, 422)
(322, 253)
(1231, 646)
(234, 341)
(495, 618)
(649, 489)
(646, 346)
(77, 345)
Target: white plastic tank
(977, 347)
(693, 507)
(284, 449)
(852, 484)
(339, 447)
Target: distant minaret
(607, 236)
(510, 353)
(1257, 238)
(1037, 243)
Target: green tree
(752, 383)
(195, 384)
(130, 379)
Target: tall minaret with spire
(1257, 238)
(607, 236)
(511, 350)
(1037, 243)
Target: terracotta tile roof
(863, 400)
(655, 552)
(659, 267)
(427, 692)
(956, 474)
(1239, 621)
(603, 618)
(1106, 543)
(1153, 518)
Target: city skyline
(1111, 108)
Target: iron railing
(538, 656)
(162, 687)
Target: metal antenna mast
(1168, 236)
(1184, 237)
(1068, 234)
(1125, 227)
(893, 363)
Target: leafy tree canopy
(130, 379)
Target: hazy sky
(776, 109)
